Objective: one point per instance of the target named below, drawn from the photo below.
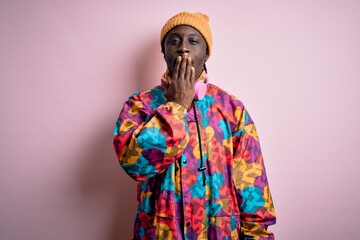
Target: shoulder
(223, 98)
(145, 95)
(229, 105)
(152, 98)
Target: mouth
(183, 56)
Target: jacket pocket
(223, 207)
(224, 227)
(167, 228)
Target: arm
(252, 189)
(148, 143)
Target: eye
(193, 41)
(173, 41)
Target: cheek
(199, 62)
(200, 57)
(170, 64)
(168, 60)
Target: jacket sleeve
(147, 143)
(252, 188)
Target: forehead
(184, 30)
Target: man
(193, 149)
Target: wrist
(186, 106)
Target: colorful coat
(157, 144)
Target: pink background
(66, 67)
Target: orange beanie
(199, 21)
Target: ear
(163, 49)
(207, 57)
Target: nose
(183, 48)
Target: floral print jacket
(215, 188)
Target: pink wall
(66, 68)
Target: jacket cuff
(172, 107)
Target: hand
(181, 88)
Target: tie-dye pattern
(157, 144)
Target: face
(185, 40)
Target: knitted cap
(199, 21)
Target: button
(184, 161)
(188, 224)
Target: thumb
(165, 84)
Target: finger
(182, 69)
(188, 69)
(165, 84)
(192, 78)
(175, 74)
